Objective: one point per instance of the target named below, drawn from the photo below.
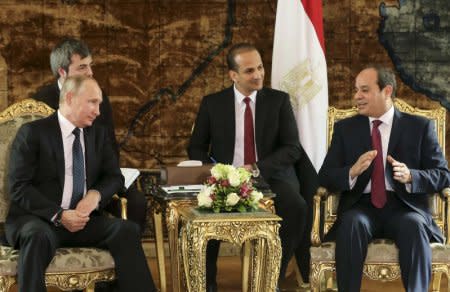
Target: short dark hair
(235, 50)
(385, 76)
(61, 54)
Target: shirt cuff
(351, 182)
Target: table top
(160, 194)
(198, 215)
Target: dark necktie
(378, 186)
(249, 136)
(77, 170)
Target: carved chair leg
(329, 281)
(90, 287)
(436, 281)
(6, 282)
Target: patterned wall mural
(157, 58)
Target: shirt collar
(59, 84)
(66, 126)
(240, 97)
(386, 118)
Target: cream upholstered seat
(382, 256)
(71, 268)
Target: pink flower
(211, 180)
(245, 190)
(225, 183)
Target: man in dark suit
(384, 163)
(222, 133)
(72, 57)
(63, 172)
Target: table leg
(272, 260)
(159, 241)
(172, 222)
(193, 250)
(246, 265)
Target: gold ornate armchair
(71, 268)
(382, 256)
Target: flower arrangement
(229, 189)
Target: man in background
(72, 57)
(252, 126)
(64, 170)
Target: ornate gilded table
(166, 204)
(259, 228)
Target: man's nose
(97, 110)
(90, 73)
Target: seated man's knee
(412, 226)
(353, 220)
(38, 236)
(128, 229)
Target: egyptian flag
(299, 68)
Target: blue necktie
(77, 170)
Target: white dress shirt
(68, 137)
(385, 131)
(239, 109)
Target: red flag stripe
(313, 9)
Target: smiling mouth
(359, 105)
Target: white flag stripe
(299, 67)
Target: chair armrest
(446, 194)
(123, 206)
(320, 195)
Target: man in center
(253, 126)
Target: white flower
(244, 174)
(220, 171)
(232, 199)
(233, 178)
(256, 196)
(204, 197)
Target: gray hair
(61, 54)
(73, 84)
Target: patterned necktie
(249, 135)
(378, 186)
(77, 170)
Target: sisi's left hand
(89, 203)
(400, 170)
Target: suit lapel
(395, 131)
(260, 114)
(362, 128)
(89, 145)
(393, 141)
(56, 142)
(228, 110)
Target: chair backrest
(10, 121)
(437, 115)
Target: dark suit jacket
(413, 141)
(49, 94)
(36, 168)
(276, 134)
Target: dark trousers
(136, 207)
(38, 240)
(407, 228)
(291, 207)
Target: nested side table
(259, 229)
